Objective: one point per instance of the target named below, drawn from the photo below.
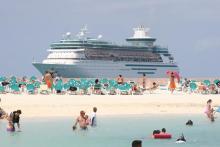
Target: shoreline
(159, 103)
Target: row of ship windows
(141, 65)
(67, 48)
(136, 60)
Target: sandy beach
(161, 102)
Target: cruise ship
(81, 56)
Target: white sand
(161, 102)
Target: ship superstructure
(85, 57)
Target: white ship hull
(107, 69)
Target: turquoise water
(112, 132)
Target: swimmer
(181, 139)
(81, 121)
(156, 132)
(189, 123)
(163, 131)
(136, 143)
(209, 110)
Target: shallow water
(112, 132)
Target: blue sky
(189, 28)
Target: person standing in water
(81, 120)
(15, 118)
(93, 117)
(209, 110)
(172, 85)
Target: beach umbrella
(66, 86)
(33, 78)
(37, 84)
(217, 82)
(207, 82)
(104, 81)
(193, 86)
(73, 83)
(13, 80)
(2, 79)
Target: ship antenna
(83, 32)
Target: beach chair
(66, 86)
(124, 89)
(37, 84)
(15, 88)
(13, 80)
(30, 89)
(84, 86)
(59, 87)
(44, 89)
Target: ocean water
(112, 132)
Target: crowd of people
(143, 85)
(54, 84)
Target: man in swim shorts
(81, 120)
(15, 117)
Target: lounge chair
(30, 88)
(59, 87)
(124, 89)
(44, 89)
(15, 88)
